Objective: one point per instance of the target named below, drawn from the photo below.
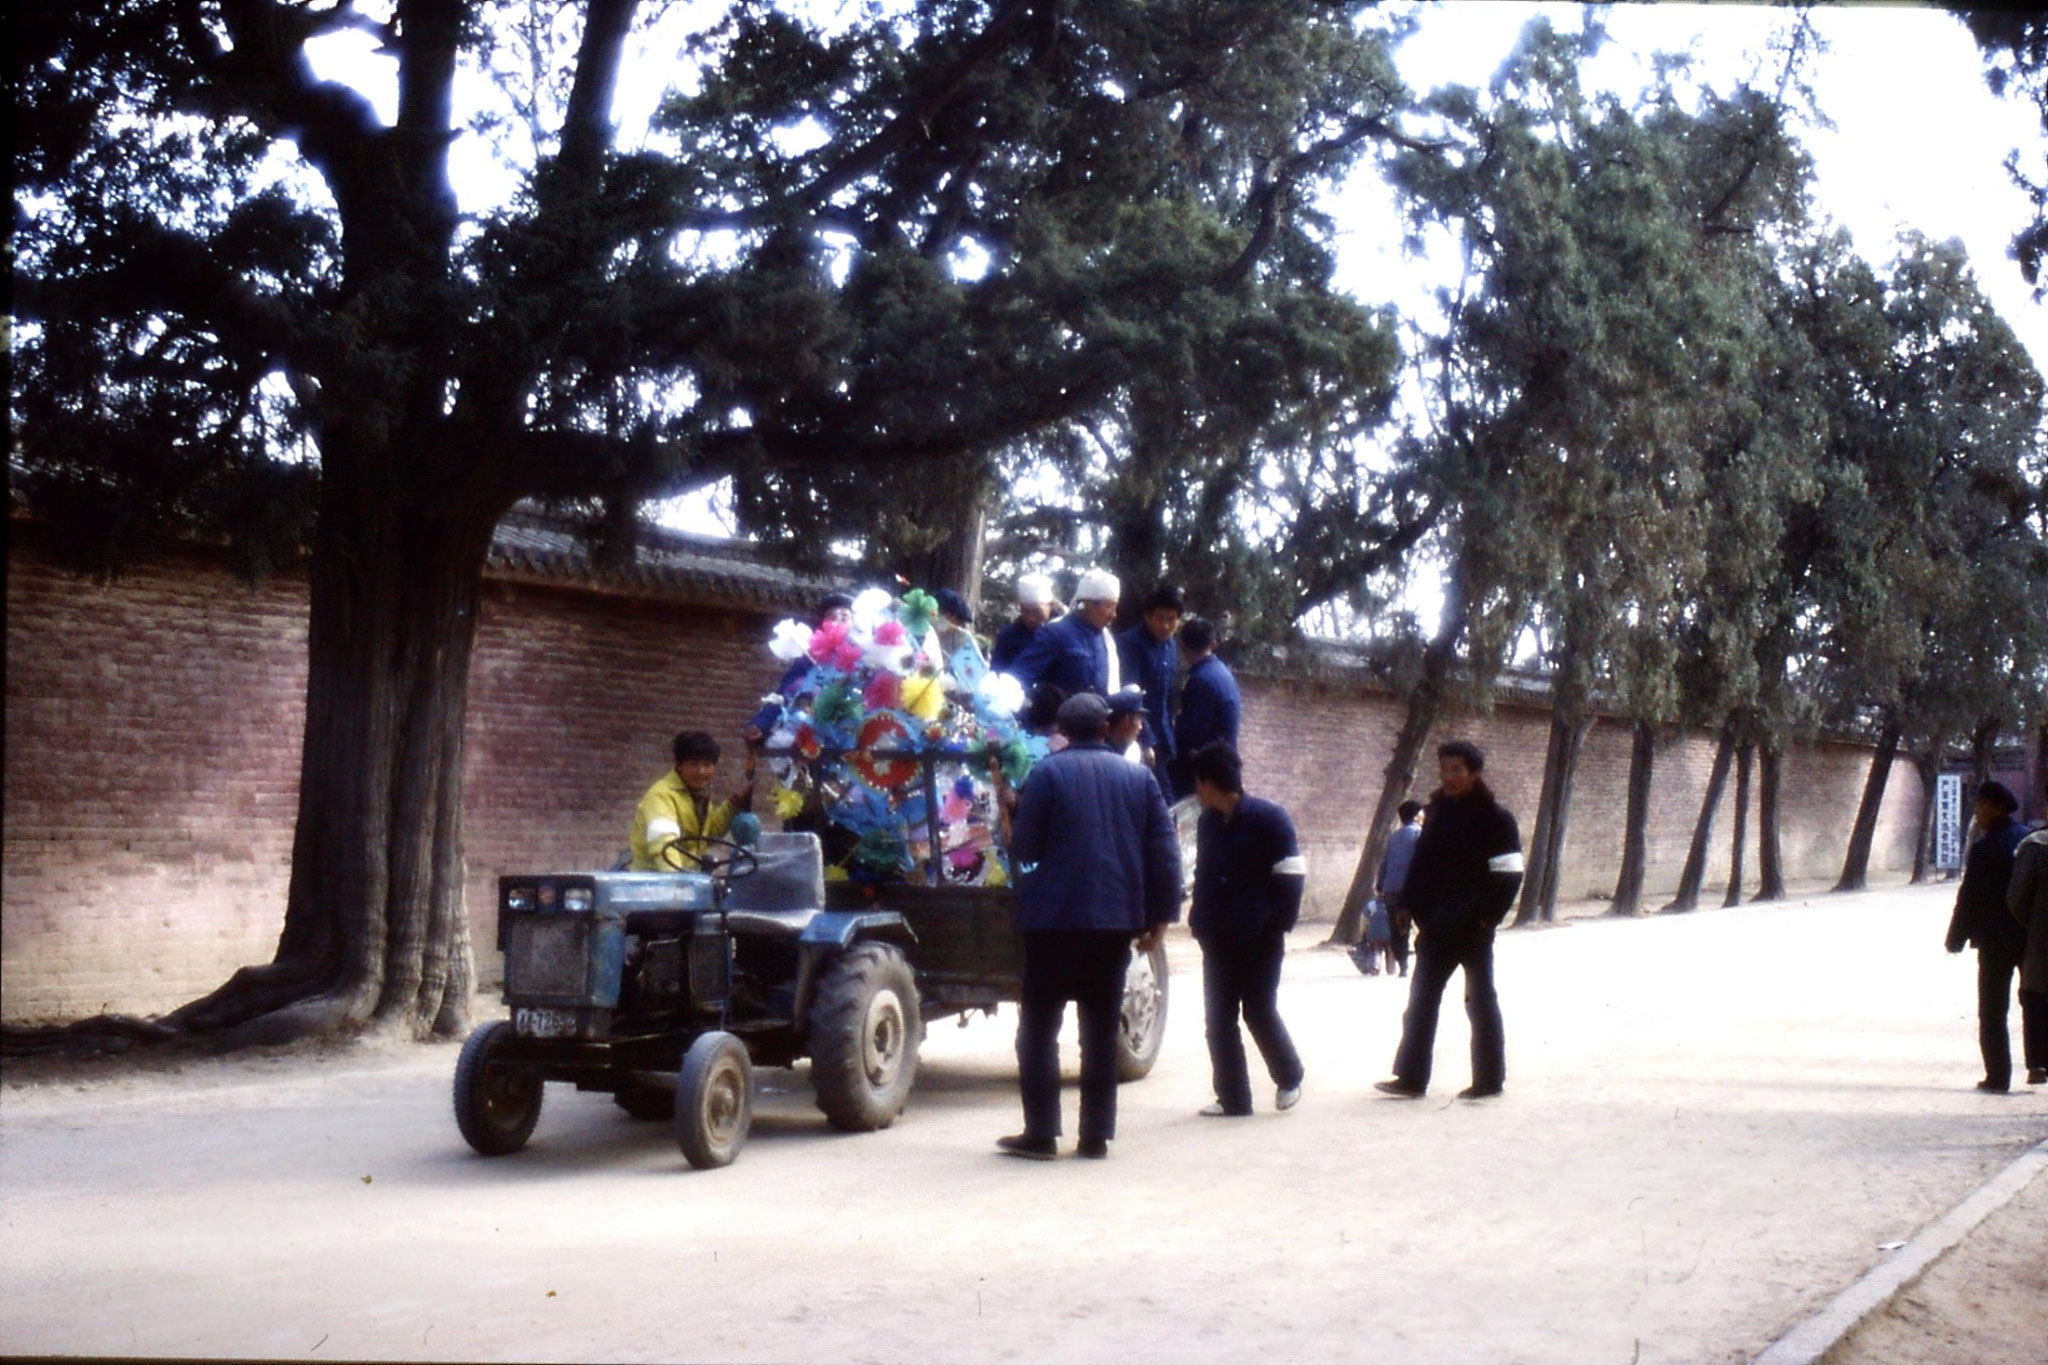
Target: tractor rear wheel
(714, 1100)
(865, 1029)
(497, 1102)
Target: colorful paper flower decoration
(871, 606)
(884, 692)
(790, 642)
(919, 611)
(883, 731)
(833, 644)
(789, 802)
(924, 695)
(999, 694)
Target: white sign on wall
(1948, 821)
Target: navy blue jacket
(1093, 846)
(1068, 653)
(1150, 663)
(1010, 642)
(1209, 710)
(1249, 873)
(1467, 865)
(770, 715)
(1981, 918)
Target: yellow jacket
(669, 814)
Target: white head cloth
(1098, 585)
(1034, 590)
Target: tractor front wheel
(497, 1101)
(714, 1100)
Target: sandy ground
(1714, 1123)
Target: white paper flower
(896, 658)
(870, 607)
(1000, 694)
(791, 640)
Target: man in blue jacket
(1076, 653)
(1466, 871)
(1150, 662)
(1097, 866)
(1249, 875)
(1210, 706)
(1981, 919)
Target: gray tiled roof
(537, 544)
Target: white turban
(1034, 590)
(1098, 585)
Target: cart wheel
(714, 1100)
(1141, 1020)
(497, 1101)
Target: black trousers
(1437, 955)
(1244, 976)
(1397, 932)
(1995, 972)
(1087, 968)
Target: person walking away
(1210, 705)
(1150, 662)
(1464, 875)
(1982, 920)
(1076, 653)
(677, 814)
(1035, 606)
(1097, 866)
(1387, 886)
(2027, 899)
(1249, 875)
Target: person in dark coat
(1464, 876)
(1035, 606)
(1150, 662)
(1097, 866)
(2027, 898)
(1210, 706)
(1076, 653)
(833, 606)
(1981, 919)
(1249, 875)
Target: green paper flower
(919, 612)
(1016, 757)
(839, 707)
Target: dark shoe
(1095, 1149)
(1028, 1147)
(1473, 1092)
(2038, 1076)
(1399, 1088)
(1991, 1087)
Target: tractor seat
(767, 923)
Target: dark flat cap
(1082, 713)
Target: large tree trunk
(1568, 727)
(1635, 842)
(1742, 761)
(2032, 800)
(1928, 765)
(1425, 704)
(1856, 865)
(375, 929)
(1695, 871)
(955, 562)
(1770, 858)
(1983, 744)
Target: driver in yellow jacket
(677, 815)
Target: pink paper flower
(884, 692)
(889, 633)
(830, 644)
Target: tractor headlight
(577, 898)
(519, 898)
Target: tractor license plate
(534, 1023)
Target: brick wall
(154, 723)
(1320, 748)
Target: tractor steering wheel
(740, 862)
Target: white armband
(1293, 865)
(663, 829)
(1505, 862)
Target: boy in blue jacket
(1249, 875)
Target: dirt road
(1713, 1123)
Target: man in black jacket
(1982, 919)
(1249, 875)
(1097, 865)
(1467, 869)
